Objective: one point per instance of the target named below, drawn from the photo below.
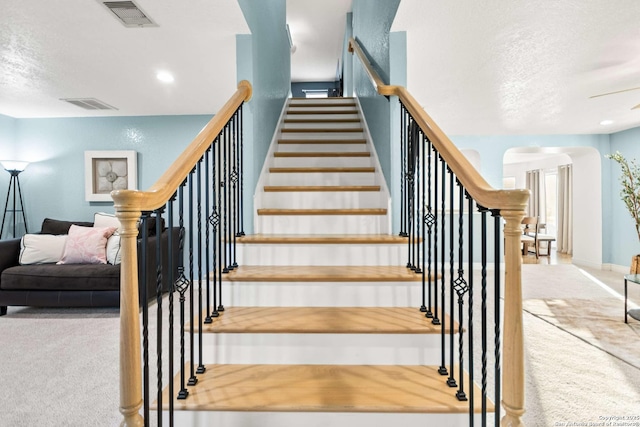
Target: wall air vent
(129, 13)
(89, 103)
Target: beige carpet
(59, 367)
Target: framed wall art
(105, 171)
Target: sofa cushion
(55, 226)
(65, 277)
(86, 245)
(41, 248)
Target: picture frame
(105, 171)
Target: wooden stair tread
(322, 141)
(321, 188)
(326, 130)
(323, 388)
(323, 239)
(331, 273)
(319, 120)
(330, 110)
(364, 211)
(322, 154)
(335, 104)
(323, 169)
(323, 320)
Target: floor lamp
(14, 168)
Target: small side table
(635, 313)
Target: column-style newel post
(130, 362)
(513, 344)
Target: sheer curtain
(565, 210)
(535, 184)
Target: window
(316, 93)
(551, 200)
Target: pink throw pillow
(86, 245)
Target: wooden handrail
(129, 205)
(166, 185)
(511, 204)
(472, 181)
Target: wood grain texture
(323, 320)
(323, 388)
(327, 169)
(322, 130)
(322, 154)
(331, 273)
(372, 211)
(322, 141)
(345, 120)
(319, 111)
(321, 188)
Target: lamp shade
(14, 165)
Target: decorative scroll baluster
(170, 281)
(497, 256)
(207, 231)
(429, 221)
(159, 328)
(182, 285)
(225, 201)
(461, 288)
(214, 220)
(142, 278)
(201, 369)
(241, 178)
(417, 204)
(451, 381)
(403, 172)
(234, 183)
(483, 237)
(227, 196)
(221, 142)
(423, 219)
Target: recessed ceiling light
(165, 77)
(606, 122)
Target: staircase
(321, 326)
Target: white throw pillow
(86, 245)
(102, 219)
(41, 248)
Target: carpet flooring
(59, 367)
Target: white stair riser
(322, 116)
(319, 178)
(339, 136)
(329, 108)
(323, 148)
(326, 101)
(322, 224)
(323, 349)
(317, 419)
(322, 254)
(323, 125)
(322, 200)
(322, 294)
(337, 162)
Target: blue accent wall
(270, 71)
(397, 76)
(372, 20)
(53, 184)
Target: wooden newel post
(513, 341)
(130, 360)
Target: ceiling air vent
(89, 103)
(129, 13)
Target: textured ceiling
(523, 67)
(492, 67)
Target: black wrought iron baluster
(442, 370)
(483, 310)
(219, 267)
(225, 200)
(403, 160)
(461, 288)
(193, 380)
(227, 195)
(410, 189)
(142, 285)
(497, 221)
(422, 217)
(207, 242)
(201, 369)
(159, 330)
(234, 184)
(470, 309)
(214, 220)
(181, 285)
(241, 178)
(436, 187)
(451, 381)
(429, 221)
(170, 278)
(417, 204)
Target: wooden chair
(529, 234)
(542, 237)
